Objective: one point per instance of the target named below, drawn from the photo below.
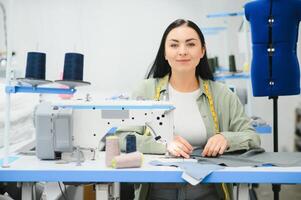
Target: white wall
(120, 38)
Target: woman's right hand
(179, 147)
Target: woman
(207, 113)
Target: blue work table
(31, 169)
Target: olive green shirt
(234, 125)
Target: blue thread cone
(130, 143)
(73, 71)
(73, 67)
(35, 65)
(232, 65)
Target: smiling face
(183, 49)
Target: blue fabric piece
(197, 170)
(10, 159)
(285, 67)
(194, 169)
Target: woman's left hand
(215, 146)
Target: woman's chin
(184, 69)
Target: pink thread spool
(112, 149)
(130, 160)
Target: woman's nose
(182, 51)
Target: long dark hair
(161, 67)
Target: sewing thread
(112, 149)
(35, 65)
(130, 160)
(73, 67)
(130, 143)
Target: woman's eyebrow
(174, 40)
(188, 40)
(191, 39)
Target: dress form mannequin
(274, 26)
(274, 69)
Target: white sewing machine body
(62, 126)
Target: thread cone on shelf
(35, 69)
(73, 71)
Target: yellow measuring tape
(211, 105)
(213, 113)
(162, 81)
(216, 127)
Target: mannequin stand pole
(275, 187)
(275, 123)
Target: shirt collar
(165, 81)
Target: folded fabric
(193, 172)
(280, 159)
(253, 157)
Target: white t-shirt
(187, 118)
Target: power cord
(66, 192)
(63, 193)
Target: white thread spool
(130, 160)
(112, 149)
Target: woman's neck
(184, 82)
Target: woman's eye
(191, 44)
(174, 45)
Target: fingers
(206, 149)
(222, 149)
(176, 149)
(185, 143)
(215, 146)
(213, 150)
(182, 147)
(182, 153)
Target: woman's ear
(203, 50)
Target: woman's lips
(183, 60)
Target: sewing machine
(63, 126)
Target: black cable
(63, 194)
(66, 192)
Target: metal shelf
(48, 90)
(225, 14)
